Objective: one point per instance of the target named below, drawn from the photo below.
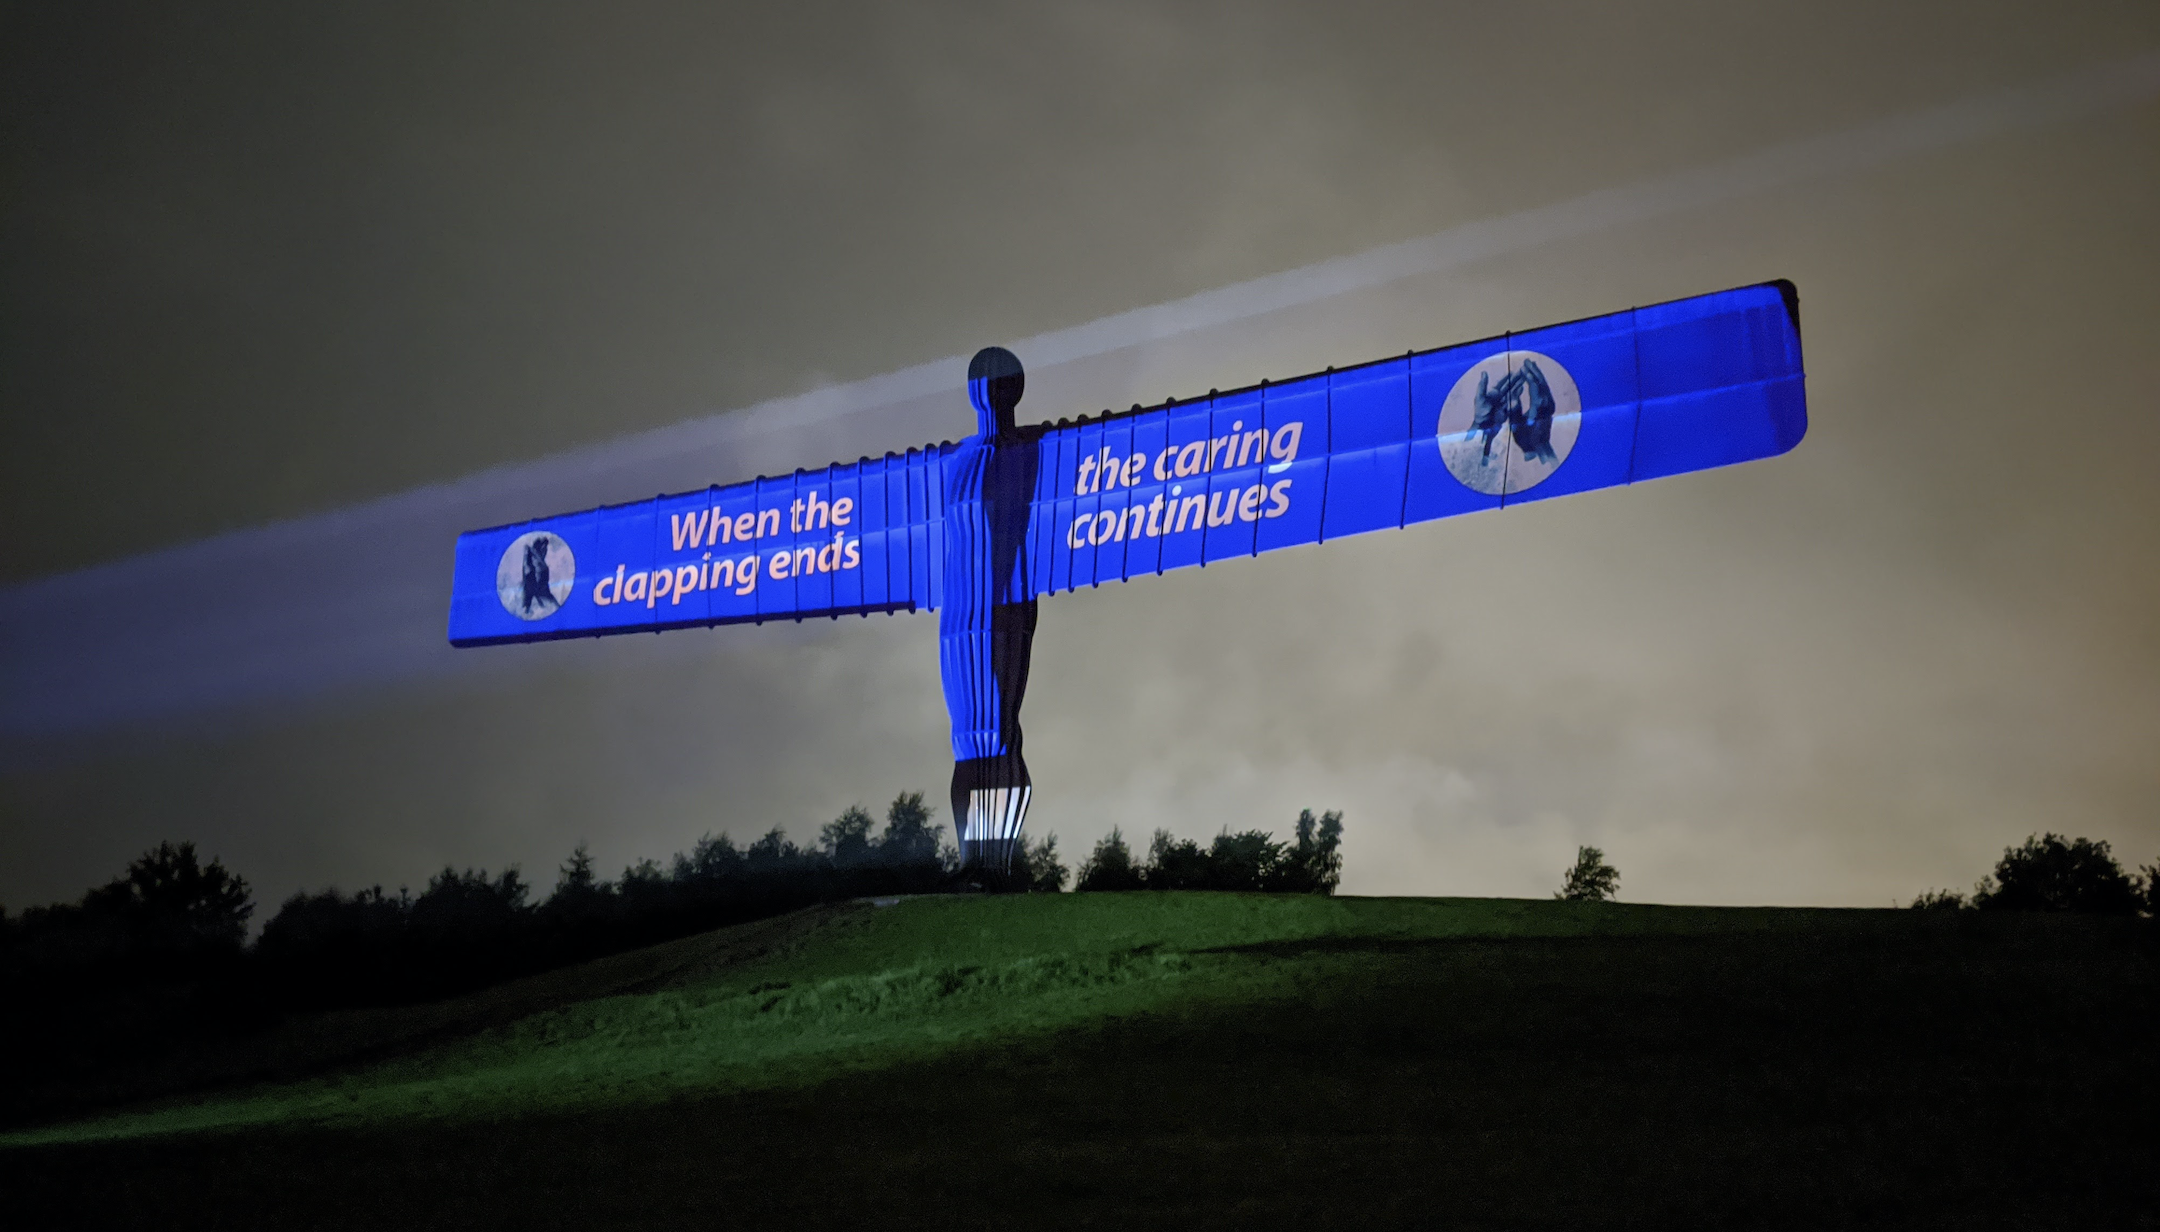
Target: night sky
(264, 266)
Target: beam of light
(357, 597)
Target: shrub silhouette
(1939, 900)
(2050, 873)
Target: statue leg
(990, 794)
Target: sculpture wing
(853, 537)
(1697, 383)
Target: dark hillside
(1215, 1060)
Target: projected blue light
(1685, 386)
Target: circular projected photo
(535, 575)
(1509, 422)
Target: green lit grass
(793, 1001)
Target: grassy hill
(1192, 1058)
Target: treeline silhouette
(467, 928)
(1309, 863)
(158, 958)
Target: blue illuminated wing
(855, 537)
(1684, 386)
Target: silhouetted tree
(136, 966)
(1247, 860)
(470, 901)
(1313, 864)
(1044, 872)
(330, 949)
(168, 899)
(909, 839)
(575, 877)
(2148, 887)
(643, 887)
(580, 896)
(771, 851)
(312, 923)
(713, 859)
(2051, 873)
(1175, 863)
(1592, 879)
(1110, 865)
(846, 838)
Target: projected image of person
(1496, 408)
(538, 594)
(1533, 430)
(987, 623)
(1503, 406)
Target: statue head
(995, 381)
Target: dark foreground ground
(1882, 1071)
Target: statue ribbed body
(986, 623)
